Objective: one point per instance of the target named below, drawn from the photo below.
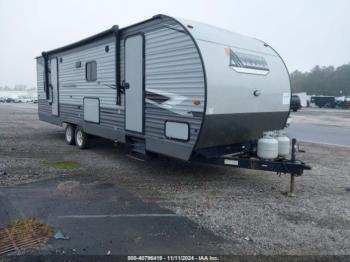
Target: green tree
(325, 80)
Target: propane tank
(283, 143)
(268, 146)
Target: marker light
(196, 102)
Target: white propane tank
(268, 146)
(283, 144)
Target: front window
(248, 63)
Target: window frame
(238, 59)
(87, 77)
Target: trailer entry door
(134, 83)
(54, 86)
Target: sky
(303, 32)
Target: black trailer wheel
(295, 110)
(70, 134)
(81, 138)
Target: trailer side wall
(174, 79)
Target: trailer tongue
(248, 159)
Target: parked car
(295, 104)
(10, 100)
(324, 101)
(342, 102)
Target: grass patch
(63, 165)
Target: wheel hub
(69, 134)
(79, 138)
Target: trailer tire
(81, 138)
(70, 134)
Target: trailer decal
(165, 100)
(286, 98)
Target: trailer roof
(200, 31)
(109, 32)
(216, 35)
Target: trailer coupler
(291, 166)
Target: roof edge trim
(110, 32)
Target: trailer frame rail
(247, 160)
(285, 166)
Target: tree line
(325, 80)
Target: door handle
(125, 85)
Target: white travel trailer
(169, 86)
(303, 98)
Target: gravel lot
(245, 207)
(322, 116)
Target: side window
(91, 71)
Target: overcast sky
(305, 33)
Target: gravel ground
(323, 116)
(245, 207)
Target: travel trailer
(303, 98)
(169, 86)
